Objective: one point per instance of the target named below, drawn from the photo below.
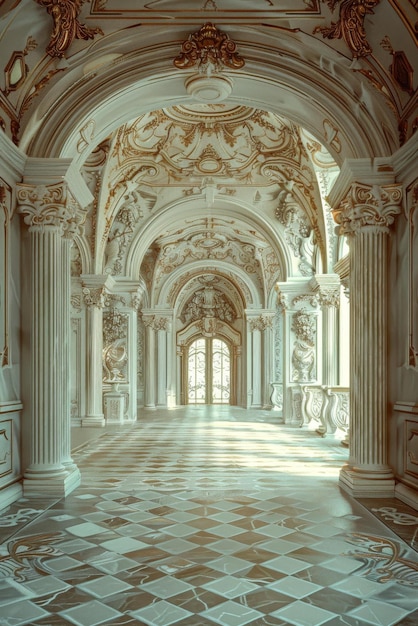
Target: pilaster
(150, 369)
(327, 288)
(94, 290)
(259, 356)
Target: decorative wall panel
(411, 448)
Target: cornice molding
(370, 172)
(14, 160)
(405, 161)
(40, 171)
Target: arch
(248, 290)
(276, 78)
(169, 217)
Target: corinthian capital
(369, 207)
(49, 206)
(262, 322)
(94, 297)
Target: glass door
(209, 372)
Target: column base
(367, 483)
(54, 485)
(94, 421)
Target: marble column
(258, 355)
(94, 290)
(150, 369)
(365, 215)
(268, 360)
(50, 212)
(161, 327)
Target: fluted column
(51, 215)
(259, 355)
(94, 290)
(171, 365)
(150, 370)
(161, 325)
(268, 360)
(365, 215)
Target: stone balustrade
(325, 409)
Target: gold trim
(350, 26)
(66, 25)
(210, 50)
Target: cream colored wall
(10, 328)
(403, 332)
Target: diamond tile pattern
(201, 516)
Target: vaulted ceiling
(208, 151)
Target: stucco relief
(5, 216)
(203, 140)
(303, 354)
(208, 302)
(413, 279)
(298, 231)
(115, 357)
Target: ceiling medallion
(209, 51)
(209, 89)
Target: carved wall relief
(5, 216)
(303, 355)
(299, 234)
(413, 279)
(278, 346)
(140, 352)
(208, 302)
(115, 357)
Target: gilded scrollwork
(210, 50)
(66, 26)
(350, 25)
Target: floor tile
(302, 614)
(90, 614)
(182, 519)
(231, 614)
(161, 613)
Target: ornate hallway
(201, 516)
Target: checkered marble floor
(202, 516)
